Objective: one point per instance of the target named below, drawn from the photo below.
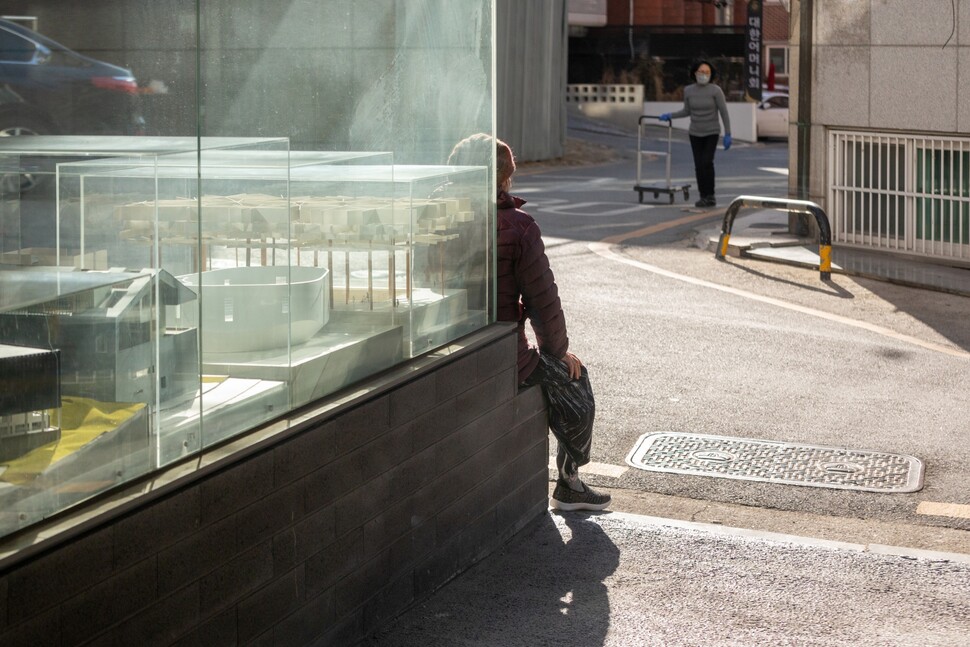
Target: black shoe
(706, 202)
(566, 498)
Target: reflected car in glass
(772, 115)
(46, 88)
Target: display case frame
(364, 262)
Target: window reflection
(195, 240)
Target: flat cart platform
(656, 189)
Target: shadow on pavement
(826, 288)
(547, 586)
(945, 313)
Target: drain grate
(776, 462)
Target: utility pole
(799, 224)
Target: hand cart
(640, 188)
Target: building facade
(776, 18)
(254, 389)
(887, 151)
(653, 42)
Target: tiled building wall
(884, 66)
(317, 539)
(670, 12)
(776, 20)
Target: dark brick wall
(317, 539)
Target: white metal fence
(908, 193)
(620, 104)
(614, 93)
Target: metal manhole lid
(776, 462)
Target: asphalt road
(676, 341)
(618, 580)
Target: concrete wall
(882, 65)
(530, 77)
(408, 76)
(744, 127)
(315, 535)
(295, 68)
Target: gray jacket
(703, 103)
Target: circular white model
(247, 309)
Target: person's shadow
(581, 613)
(546, 587)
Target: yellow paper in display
(82, 420)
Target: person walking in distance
(527, 291)
(703, 103)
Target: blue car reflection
(46, 88)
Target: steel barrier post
(791, 206)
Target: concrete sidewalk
(618, 579)
(763, 235)
(580, 579)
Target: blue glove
(664, 117)
(727, 142)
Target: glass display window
(410, 242)
(83, 346)
(313, 269)
(226, 212)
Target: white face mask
(703, 79)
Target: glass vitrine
(33, 230)
(197, 286)
(92, 363)
(408, 242)
(222, 222)
(312, 269)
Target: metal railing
(791, 206)
(906, 192)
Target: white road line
(933, 508)
(599, 469)
(584, 209)
(605, 250)
(879, 549)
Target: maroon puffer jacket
(526, 287)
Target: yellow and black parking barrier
(791, 206)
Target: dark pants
(571, 412)
(703, 148)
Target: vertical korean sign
(752, 50)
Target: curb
(813, 542)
